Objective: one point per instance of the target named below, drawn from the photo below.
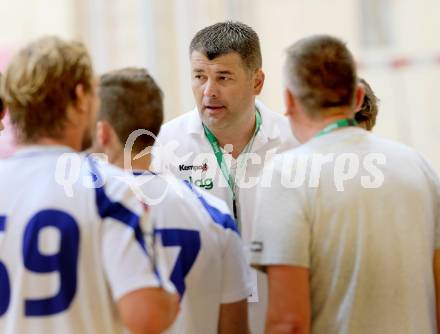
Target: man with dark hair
(229, 133)
(211, 270)
(226, 37)
(366, 115)
(130, 100)
(340, 257)
(73, 258)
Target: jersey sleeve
(281, 232)
(127, 262)
(126, 256)
(236, 271)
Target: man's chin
(215, 123)
(215, 120)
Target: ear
(103, 133)
(289, 102)
(81, 102)
(258, 81)
(359, 96)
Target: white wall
(156, 34)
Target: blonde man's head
(40, 83)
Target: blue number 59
(65, 262)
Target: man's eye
(225, 78)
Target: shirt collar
(42, 149)
(194, 125)
(269, 129)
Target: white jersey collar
(42, 149)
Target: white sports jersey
(184, 150)
(206, 259)
(68, 249)
(365, 225)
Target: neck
(237, 136)
(312, 127)
(142, 163)
(46, 141)
(116, 157)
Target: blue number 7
(189, 241)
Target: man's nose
(210, 89)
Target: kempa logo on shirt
(203, 167)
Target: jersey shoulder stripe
(223, 219)
(109, 209)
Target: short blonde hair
(40, 83)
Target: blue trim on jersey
(142, 172)
(2, 223)
(223, 219)
(109, 209)
(116, 210)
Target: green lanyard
(341, 123)
(221, 162)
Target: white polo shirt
(183, 149)
(365, 226)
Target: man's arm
(148, 310)
(437, 285)
(289, 300)
(234, 318)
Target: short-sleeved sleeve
(126, 256)
(127, 260)
(281, 232)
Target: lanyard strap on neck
(219, 154)
(341, 123)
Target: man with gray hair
(223, 144)
(350, 249)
